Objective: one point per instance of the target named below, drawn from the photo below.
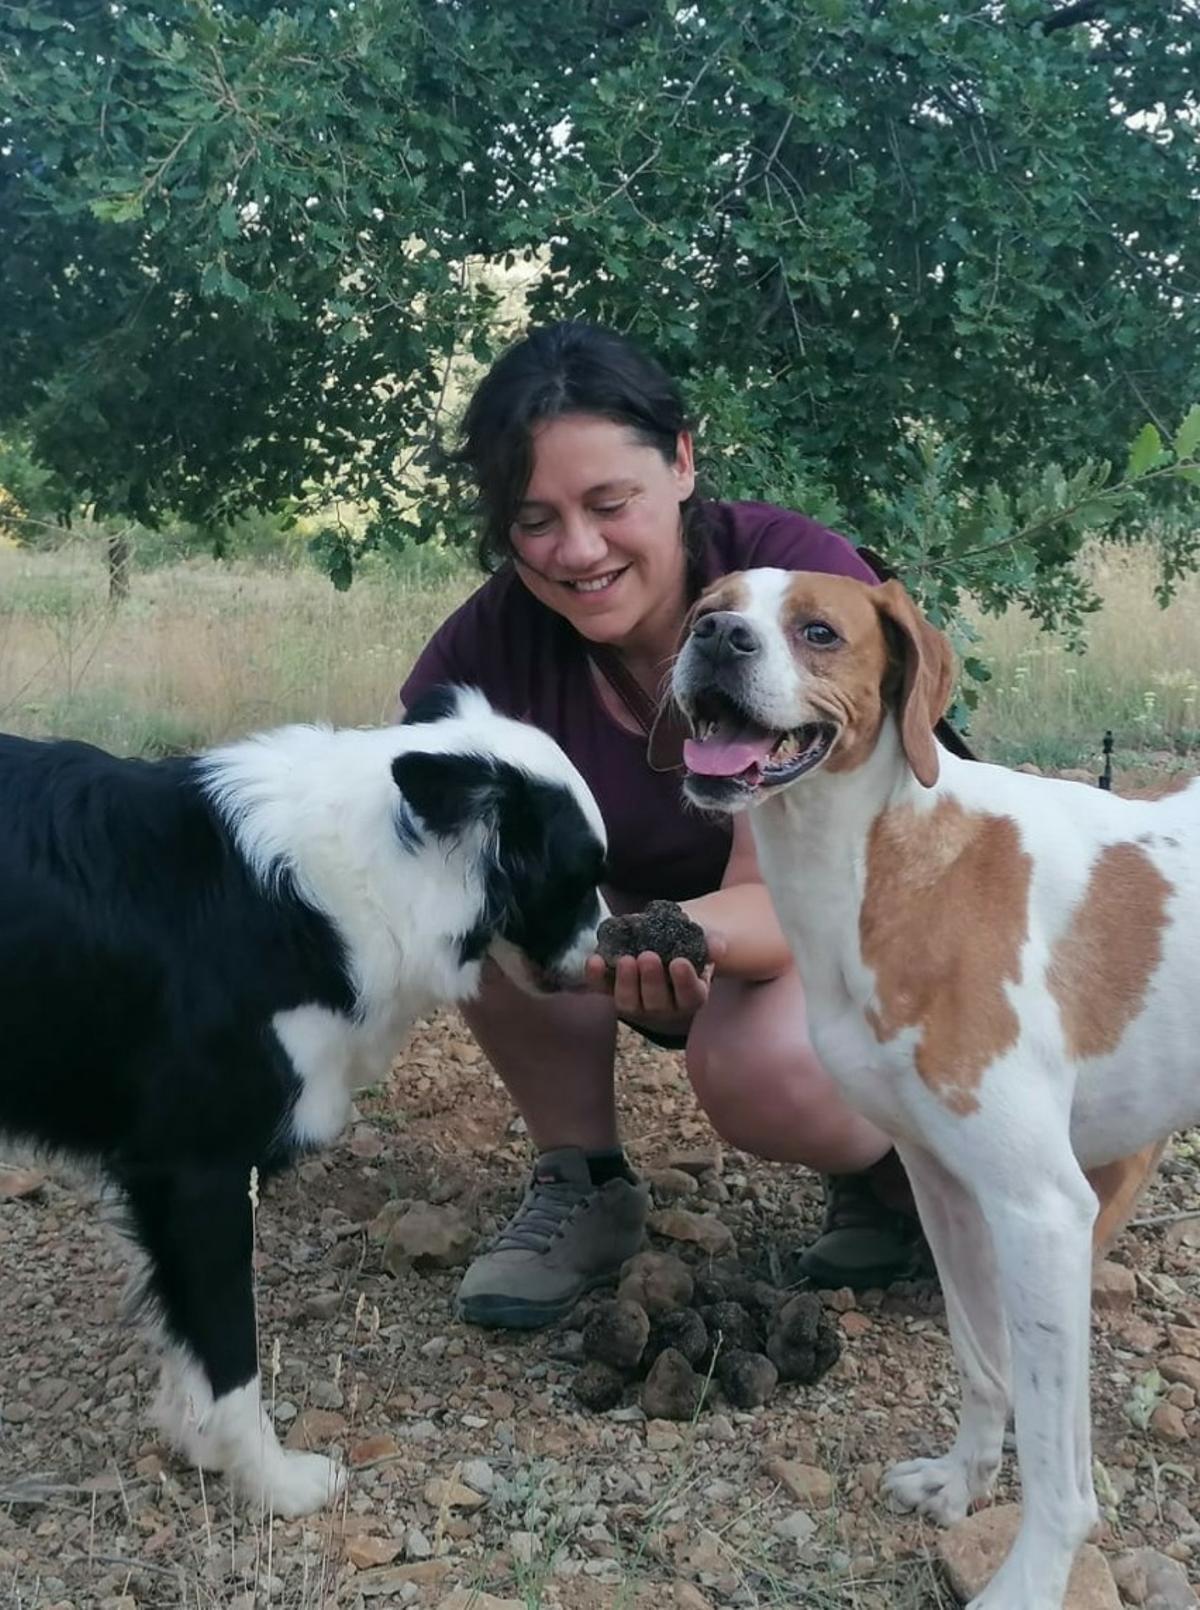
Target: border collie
(201, 958)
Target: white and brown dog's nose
(724, 635)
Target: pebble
(1146, 1577)
(451, 1494)
(972, 1550)
(797, 1528)
(416, 1545)
(477, 1473)
(808, 1484)
(1113, 1287)
(524, 1547)
(704, 1230)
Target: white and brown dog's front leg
(944, 1488)
(1040, 1224)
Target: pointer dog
(1003, 973)
(201, 958)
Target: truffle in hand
(662, 928)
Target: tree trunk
(120, 558)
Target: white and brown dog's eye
(820, 634)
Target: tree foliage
(905, 257)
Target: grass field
(202, 650)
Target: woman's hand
(644, 991)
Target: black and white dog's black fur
(201, 958)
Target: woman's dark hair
(565, 368)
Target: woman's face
(597, 536)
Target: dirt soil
(558, 1508)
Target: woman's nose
(581, 544)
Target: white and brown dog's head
(784, 672)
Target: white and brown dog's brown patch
(944, 918)
(1101, 967)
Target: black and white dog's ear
(448, 792)
(435, 704)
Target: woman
(580, 449)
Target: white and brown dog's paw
(939, 1489)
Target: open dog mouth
(728, 743)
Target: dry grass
(203, 650)
(1139, 676)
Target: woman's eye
(819, 634)
(532, 528)
(610, 508)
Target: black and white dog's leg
(944, 1487)
(195, 1225)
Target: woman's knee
(750, 1062)
(760, 1082)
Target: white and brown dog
(1003, 973)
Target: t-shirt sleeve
(447, 657)
(794, 542)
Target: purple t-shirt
(533, 665)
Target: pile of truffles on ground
(662, 928)
(674, 1329)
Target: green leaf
(1147, 446)
(117, 209)
(1187, 437)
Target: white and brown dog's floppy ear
(927, 678)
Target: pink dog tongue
(726, 757)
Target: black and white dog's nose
(725, 635)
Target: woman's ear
(684, 467)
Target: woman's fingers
(643, 989)
(596, 975)
(690, 989)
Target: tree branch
(1068, 16)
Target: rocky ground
(477, 1479)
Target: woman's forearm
(744, 915)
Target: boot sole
(833, 1277)
(494, 1312)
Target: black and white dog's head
(472, 777)
(456, 835)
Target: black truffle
(747, 1379)
(598, 1386)
(803, 1342)
(732, 1326)
(662, 927)
(616, 1334)
(682, 1329)
(672, 1390)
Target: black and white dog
(201, 958)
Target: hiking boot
(568, 1236)
(871, 1236)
